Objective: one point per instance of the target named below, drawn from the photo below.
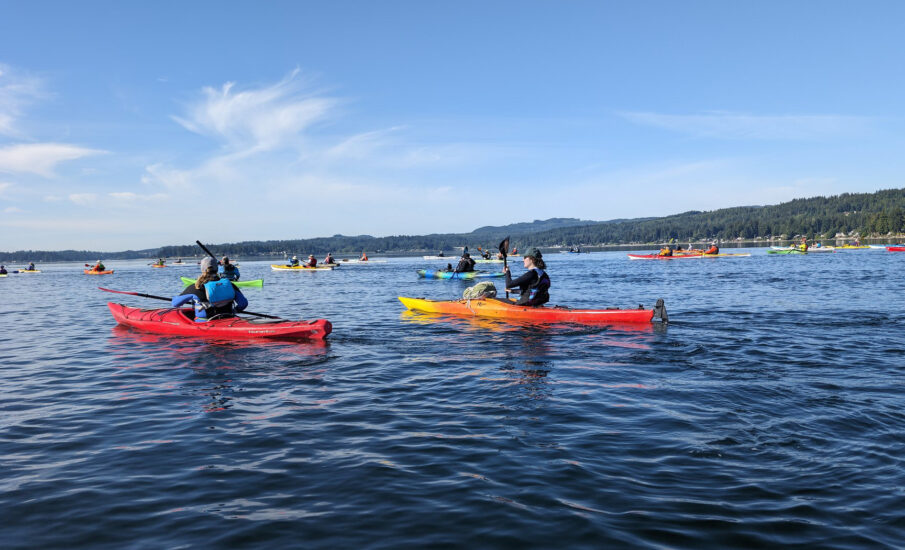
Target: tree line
(865, 214)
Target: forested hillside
(866, 214)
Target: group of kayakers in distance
(328, 260)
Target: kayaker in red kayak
(714, 249)
(312, 261)
(666, 251)
(211, 296)
(534, 285)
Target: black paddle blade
(504, 247)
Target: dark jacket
(533, 287)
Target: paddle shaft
(143, 295)
(204, 248)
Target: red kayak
(180, 322)
(896, 248)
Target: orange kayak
(93, 272)
(507, 310)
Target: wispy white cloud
(257, 119)
(41, 158)
(12, 210)
(17, 91)
(128, 196)
(4, 186)
(726, 125)
(83, 199)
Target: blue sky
(140, 124)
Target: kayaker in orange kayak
(534, 285)
(99, 266)
(714, 249)
(312, 261)
(211, 297)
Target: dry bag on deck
(481, 290)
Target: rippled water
(768, 413)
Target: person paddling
(31, 266)
(312, 261)
(666, 251)
(363, 257)
(804, 244)
(534, 285)
(3, 270)
(466, 264)
(227, 270)
(99, 266)
(714, 249)
(211, 297)
(294, 262)
(329, 259)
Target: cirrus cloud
(41, 158)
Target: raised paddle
(143, 295)
(209, 253)
(504, 246)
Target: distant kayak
(179, 322)
(158, 265)
(28, 271)
(685, 256)
(853, 247)
(440, 257)
(362, 262)
(253, 283)
(811, 249)
(490, 261)
(786, 251)
(895, 248)
(464, 275)
(94, 272)
(281, 267)
(507, 310)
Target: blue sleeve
(241, 300)
(182, 299)
(220, 269)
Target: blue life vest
(220, 295)
(230, 272)
(538, 294)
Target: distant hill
(877, 214)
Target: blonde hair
(207, 277)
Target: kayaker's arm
(241, 300)
(182, 299)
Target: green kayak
(786, 251)
(255, 283)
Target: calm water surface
(769, 413)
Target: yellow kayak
(281, 267)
